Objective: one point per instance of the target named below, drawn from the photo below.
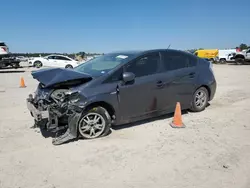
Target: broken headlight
(65, 95)
(72, 96)
(59, 94)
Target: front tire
(239, 60)
(200, 100)
(94, 123)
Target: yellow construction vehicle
(210, 54)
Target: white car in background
(53, 61)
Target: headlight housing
(58, 94)
(65, 95)
(72, 96)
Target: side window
(51, 57)
(178, 60)
(62, 58)
(116, 76)
(67, 59)
(146, 65)
(174, 61)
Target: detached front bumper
(41, 117)
(38, 115)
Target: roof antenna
(169, 46)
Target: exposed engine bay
(56, 112)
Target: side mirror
(128, 77)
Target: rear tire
(212, 60)
(69, 67)
(38, 64)
(101, 126)
(200, 100)
(222, 61)
(15, 65)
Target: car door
(59, 61)
(49, 61)
(178, 79)
(63, 61)
(140, 97)
(248, 54)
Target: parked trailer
(6, 59)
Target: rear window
(62, 58)
(2, 44)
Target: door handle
(159, 84)
(191, 75)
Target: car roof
(162, 49)
(141, 52)
(57, 55)
(133, 52)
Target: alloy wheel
(91, 125)
(200, 99)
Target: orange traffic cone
(22, 84)
(177, 121)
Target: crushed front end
(55, 111)
(57, 104)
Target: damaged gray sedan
(118, 88)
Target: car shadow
(11, 70)
(161, 117)
(234, 63)
(49, 134)
(148, 120)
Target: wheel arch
(69, 65)
(103, 104)
(239, 56)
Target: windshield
(103, 64)
(2, 44)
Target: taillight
(4, 48)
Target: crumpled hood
(51, 76)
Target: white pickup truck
(5, 58)
(225, 55)
(242, 57)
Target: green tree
(82, 54)
(243, 46)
